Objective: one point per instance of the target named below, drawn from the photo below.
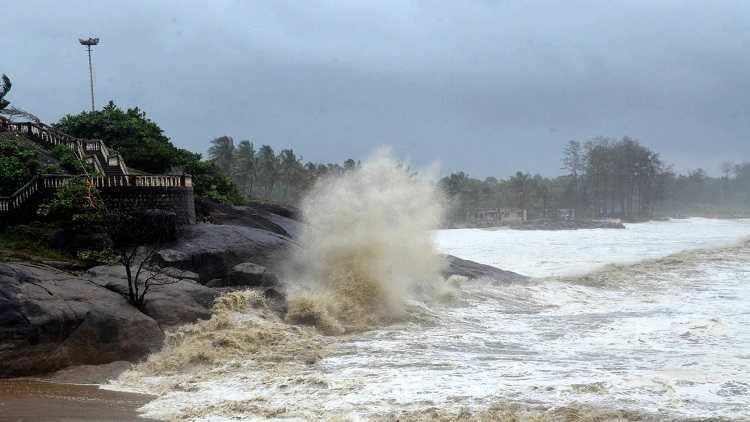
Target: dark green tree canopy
(144, 146)
(141, 141)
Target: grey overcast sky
(488, 87)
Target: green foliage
(93, 258)
(144, 146)
(264, 174)
(209, 181)
(606, 177)
(51, 169)
(18, 164)
(29, 241)
(69, 162)
(77, 203)
(141, 142)
(221, 153)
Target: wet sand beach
(27, 400)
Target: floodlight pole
(89, 43)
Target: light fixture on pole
(90, 42)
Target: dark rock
(215, 282)
(475, 270)
(89, 240)
(58, 239)
(252, 275)
(159, 221)
(211, 250)
(50, 320)
(142, 227)
(64, 265)
(181, 274)
(279, 219)
(277, 300)
(176, 303)
(88, 374)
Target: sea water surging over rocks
(366, 254)
(563, 350)
(367, 247)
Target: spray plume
(367, 246)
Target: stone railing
(56, 181)
(83, 149)
(17, 198)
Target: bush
(208, 180)
(69, 162)
(29, 240)
(77, 203)
(18, 164)
(93, 258)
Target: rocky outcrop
(211, 250)
(50, 320)
(252, 275)
(178, 302)
(475, 270)
(279, 219)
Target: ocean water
(653, 319)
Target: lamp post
(90, 42)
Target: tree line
(605, 177)
(261, 173)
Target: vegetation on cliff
(18, 164)
(145, 147)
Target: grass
(29, 242)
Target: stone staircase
(105, 160)
(111, 172)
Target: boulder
(58, 239)
(211, 250)
(93, 239)
(275, 218)
(277, 300)
(475, 270)
(252, 275)
(181, 274)
(50, 320)
(174, 303)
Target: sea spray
(366, 247)
(242, 336)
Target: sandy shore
(26, 400)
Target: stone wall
(128, 198)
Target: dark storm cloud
(489, 87)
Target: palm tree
(4, 90)
(289, 168)
(245, 167)
(222, 153)
(5, 104)
(268, 168)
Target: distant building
(488, 217)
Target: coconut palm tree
(5, 108)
